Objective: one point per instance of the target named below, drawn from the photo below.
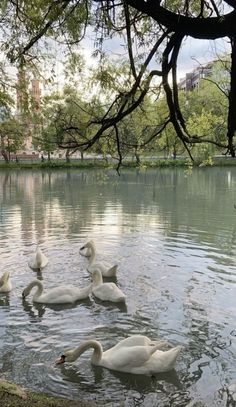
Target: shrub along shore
(145, 163)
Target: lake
(173, 236)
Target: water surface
(173, 236)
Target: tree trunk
(137, 157)
(5, 155)
(67, 155)
(232, 101)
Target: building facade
(192, 79)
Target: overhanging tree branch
(209, 28)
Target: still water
(173, 236)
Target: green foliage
(74, 65)
(207, 163)
(11, 137)
(66, 119)
(111, 77)
(204, 123)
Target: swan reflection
(140, 383)
(35, 311)
(111, 305)
(4, 299)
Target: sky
(193, 54)
(199, 52)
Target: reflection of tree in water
(75, 198)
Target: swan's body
(136, 354)
(5, 283)
(106, 270)
(38, 260)
(106, 291)
(58, 295)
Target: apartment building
(192, 78)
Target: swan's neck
(97, 278)
(93, 255)
(39, 291)
(97, 353)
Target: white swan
(38, 260)
(106, 270)
(5, 283)
(136, 354)
(67, 294)
(106, 291)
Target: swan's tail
(120, 298)
(111, 272)
(4, 278)
(84, 292)
(172, 356)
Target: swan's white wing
(65, 294)
(108, 292)
(111, 287)
(63, 299)
(128, 357)
(141, 340)
(134, 340)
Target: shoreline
(126, 164)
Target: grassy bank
(145, 163)
(12, 395)
(53, 164)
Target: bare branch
(118, 148)
(129, 40)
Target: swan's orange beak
(61, 360)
